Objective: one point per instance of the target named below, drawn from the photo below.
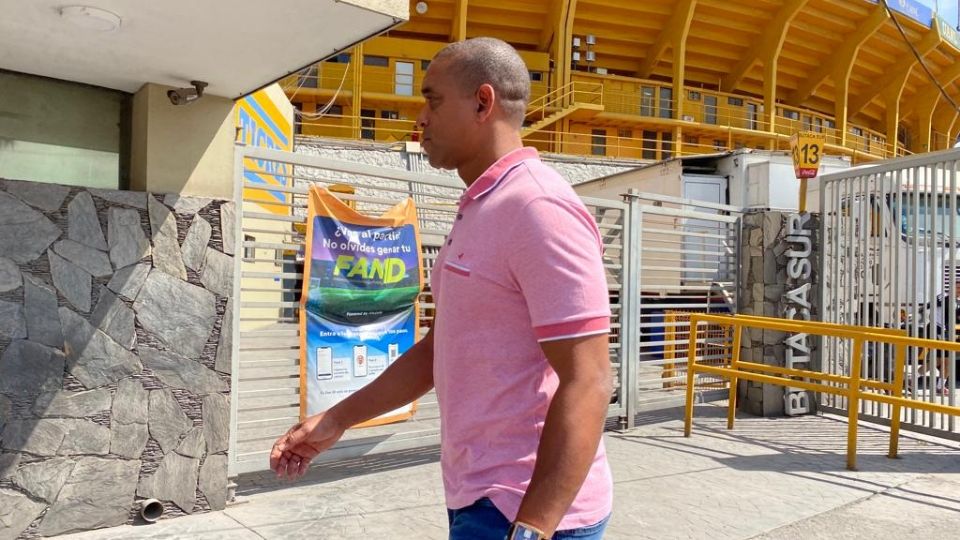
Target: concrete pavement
(769, 478)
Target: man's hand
(292, 453)
(408, 378)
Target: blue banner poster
(359, 308)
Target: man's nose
(422, 119)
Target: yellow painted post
(734, 364)
(691, 363)
(458, 30)
(853, 403)
(898, 366)
(803, 195)
(670, 350)
(893, 122)
(356, 64)
(770, 93)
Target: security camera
(185, 96)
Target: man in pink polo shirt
(519, 350)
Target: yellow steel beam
(674, 34)
(767, 48)
(769, 116)
(893, 80)
(458, 30)
(892, 121)
(931, 93)
(679, 47)
(943, 118)
(356, 64)
(952, 137)
(923, 140)
(565, 38)
(842, 94)
(554, 14)
(563, 56)
(840, 63)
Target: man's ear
(486, 98)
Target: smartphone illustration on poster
(393, 352)
(324, 363)
(359, 360)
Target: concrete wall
(57, 131)
(573, 169)
(114, 356)
(185, 149)
(395, 8)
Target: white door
(703, 247)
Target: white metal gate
(686, 260)
(889, 259)
(270, 241)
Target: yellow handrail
(851, 386)
(572, 90)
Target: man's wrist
(524, 531)
(337, 415)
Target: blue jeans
(482, 521)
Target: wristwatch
(523, 531)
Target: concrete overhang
(236, 46)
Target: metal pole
(951, 307)
(898, 366)
(851, 258)
(865, 233)
(238, 169)
(734, 364)
(630, 304)
(853, 398)
(837, 280)
(931, 287)
(912, 282)
(898, 241)
(691, 361)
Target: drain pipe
(151, 510)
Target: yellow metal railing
(572, 93)
(852, 386)
(621, 147)
(358, 127)
(674, 353)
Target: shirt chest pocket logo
(456, 268)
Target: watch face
(519, 532)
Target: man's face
(448, 118)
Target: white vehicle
(898, 236)
(720, 184)
(745, 179)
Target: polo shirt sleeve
(556, 260)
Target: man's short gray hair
(486, 60)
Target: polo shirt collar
(495, 174)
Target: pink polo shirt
(522, 265)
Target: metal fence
(889, 259)
(273, 187)
(685, 259)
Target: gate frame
(861, 178)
